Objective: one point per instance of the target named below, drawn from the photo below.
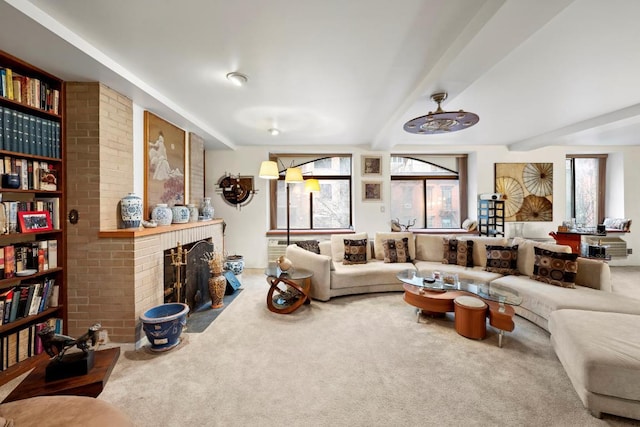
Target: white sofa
(613, 317)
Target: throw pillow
(396, 250)
(310, 245)
(502, 259)
(355, 251)
(458, 252)
(555, 268)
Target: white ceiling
(336, 72)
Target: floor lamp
(269, 170)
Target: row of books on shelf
(29, 134)
(26, 343)
(29, 91)
(33, 174)
(10, 213)
(23, 259)
(28, 299)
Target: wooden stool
(470, 315)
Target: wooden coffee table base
(90, 385)
(441, 302)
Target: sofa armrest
(320, 265)
(594, 274)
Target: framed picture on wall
(164, 160)
(527, 191)
(371, 191)
(371, 165)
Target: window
(429, 189)
(330, 208)
(585, 180)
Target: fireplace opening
(188, 282)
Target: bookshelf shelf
(32, 146)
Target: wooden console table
(90, 385)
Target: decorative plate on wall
(236, 190)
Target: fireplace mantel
(129, 233)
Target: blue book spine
(8, 136)
(31, 149)
(57, 153)
(14, 131)
(1, 127)
(38, 139)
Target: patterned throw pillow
(555, 268)
(355, 251)
(396, 250)
(458, 252)
(502, 259)
(310, 245)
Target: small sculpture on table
(64, 365)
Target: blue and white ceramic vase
(194, 213)
(234, 263)
(206, 210)
(131, 210)
(163, 325)
(161, 214)
(180, 214)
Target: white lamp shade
(293, 175)
(269, 170)
(311, 185)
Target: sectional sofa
(556, 309)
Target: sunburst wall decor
(527, 190)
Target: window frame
(602, 184)
(461, 160)
(273, 191)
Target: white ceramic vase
(161, 214)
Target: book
(55, 296)
(15, 303)
(48, 294)
(9, 262)
(25, 293)
(2, 128)
(8, 302)
(34, 305)
(43, 263)
(38, 347)
(52, 246)
(5, 302)
(9, 83)
(1, 259)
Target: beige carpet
(354, 361)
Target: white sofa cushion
(337, 245)
(526, 255)
(429, 247)
(380, 237)
(373, 272)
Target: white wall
(246, 228)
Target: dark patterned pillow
(355, 251)
(502, 259)
(310, 245)
(396, 250)
(555, 268)
(458, 252)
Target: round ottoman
(470, 317)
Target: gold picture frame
(164, 163)
(371, 191)
(371, 165)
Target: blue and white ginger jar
(180, 214)
(131, 210)
(161, 214)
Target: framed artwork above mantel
(164, 160)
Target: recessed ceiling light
(237, 78)
(274, 131)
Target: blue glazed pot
(163, 325)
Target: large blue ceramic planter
(163, 325)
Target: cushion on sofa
(355, 251)
(502, 259)
(429, 247)
(374, 272)
(480, 249)
(458, 252)
(526, 255)
(396, 250)
(380, 237)
(555, 268)
(337, 245)
(310, 245)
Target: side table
(90, 384)
(287, 290)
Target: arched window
(430, 190)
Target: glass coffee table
(436, 297)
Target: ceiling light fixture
(441, 121)
(237, 78)
(274, 131)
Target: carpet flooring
(353, 361)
